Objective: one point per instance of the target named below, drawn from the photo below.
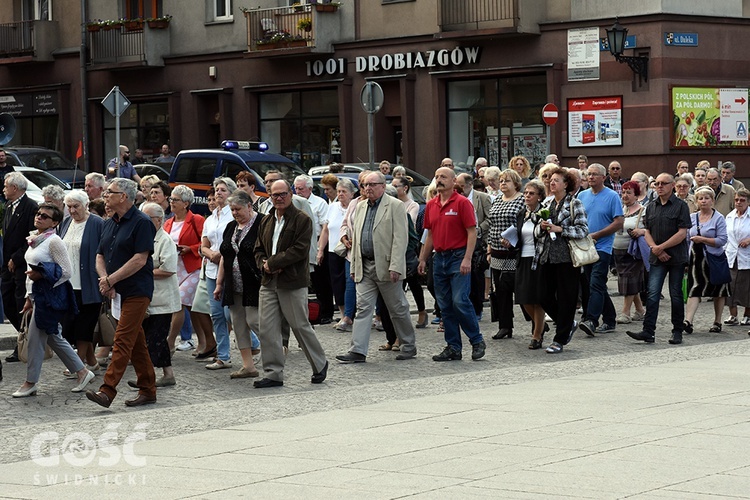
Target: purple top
(716, 227)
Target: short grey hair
(17, 179)
(77, 196)
(127, 186)
(306, 179)
(153, 209)
(229, 183)
(54, 192)
(391, 191)
(184, 193)
(239, 197)
(729, 165)
(599, 167)
(347, 184)
(492, 173)
(98, 179)
(398, 170)
(381, 177)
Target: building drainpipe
(84, 88)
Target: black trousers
(321, 282)
(13, 290)
(560, 297)
(476, 294)
(505, 283)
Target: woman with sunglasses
(48, 270)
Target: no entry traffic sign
(550, 113)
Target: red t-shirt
(448, 222)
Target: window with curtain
(222, 9)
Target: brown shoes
(99, 398)
(141, 400)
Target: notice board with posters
(709, 117)
(595, 121)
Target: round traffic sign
(550, 113)
(371, 97)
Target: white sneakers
(186, 345)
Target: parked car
(197, 168)
(419, 181)
(48, 160)
(39, 179)
(318, 187)
(144, 169)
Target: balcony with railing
(299, 28)
(128, 47)
(482, 15)
(24, 41)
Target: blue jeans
(452, 292)
(220, 320)
(600, 303)
(656, 277)
(186, 333)
(350, 295)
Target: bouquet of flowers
(545, 215)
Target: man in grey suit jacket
(482, 204)
(378, 265)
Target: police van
(197, 168)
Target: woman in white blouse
(81, 238)
(738, 255)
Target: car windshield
(42, 179)
(46, 160)
(288, 170)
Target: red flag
(79, 153)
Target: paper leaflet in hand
(511, 234)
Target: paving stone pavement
(205, 400)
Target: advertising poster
(583, 54)
(699, 113)
(595, 121)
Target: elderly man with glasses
(379, 240)
(614, 180)
(282, 255)
(667, 221)
(126, 274)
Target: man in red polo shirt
(452, 232)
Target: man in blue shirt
(121, 166)
(604, 215)
(126, 270)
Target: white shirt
(334, 217)
(738, 228)
(213, 229)
(73, 239)
(277, 233)
(166, 298)
(320, 209)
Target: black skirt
(698, 283)
(529, 283)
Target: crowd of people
(499, 235)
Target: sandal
(385, 347)
(716, 328)
(535, 344)
(687, 327)
(554, 348)
(396, 346)
(441, 328)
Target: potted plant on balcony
(327, 7)
(298, 7)
(133, 24)
(297, 41)
(94, 26)
(158, 23)
(305, 24)
(111, 24)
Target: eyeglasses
(174, 200)
(660, 183)
(371, 184)
(108, 192)
(43, 216)
(740, 200)
(279, 196)
(503, 181)
(614, 168)
(681, 186)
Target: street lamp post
(616, 37)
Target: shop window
(496, 118)
(303, 126)
(142, 126)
